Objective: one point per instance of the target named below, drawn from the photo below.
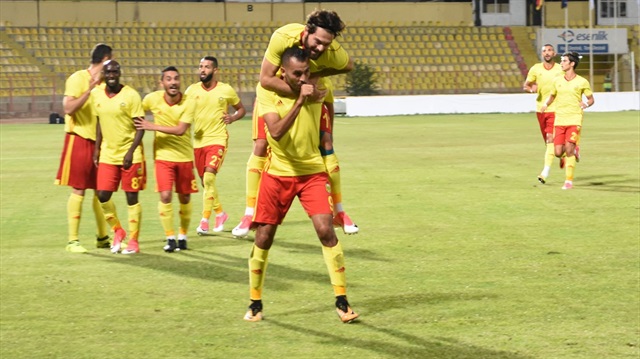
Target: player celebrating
(295, 169)
(76, 163)
(210, 137)
(567, 92)
(172, 116)
(119, 154)
(540, 80)
(328, 58)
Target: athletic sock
(101, 225)
(110, 215)
(549, 155)
(255, 165)
(165, 210)
(135, 216)
(74, 212)
(210, 194)
(333, 169)
(257, 270)
(185, 217)
(334, 258)
(570, 167)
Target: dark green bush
(361, 81)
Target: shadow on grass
(414, 346)
(600, 183)
(217, 267)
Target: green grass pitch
(462, 253)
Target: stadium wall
(44, 12)
(481, 103)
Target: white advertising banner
(603, 41)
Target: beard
(207, 78)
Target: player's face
(206, 70)
(565, 63)
(112, 74)
(317, 43)
(548, 53)
(171, 83)
(296, 73)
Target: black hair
(573, 57)
(168, 68)
(326, 19)
(212, 59)
(99, 52)
(296, 53)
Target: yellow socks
(101, 224)
(549, 155)
(210, 195)
(333, 169)
(255, 166)
(165, 210)
(570, 167)
(185, 218)
(334, 258)
(257, 271)
(110, 215)
(135, 216)
(74, 211)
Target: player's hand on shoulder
(141, 123)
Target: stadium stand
(408, 58)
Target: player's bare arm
(128, 157)
(240, 112)
(96, 151)
(330, 72)
(547, 103)
(590, 102)
(279, 126)
(178, 130)
(72, 104)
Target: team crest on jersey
(122, 104)
(139, 172)
(220, 152)
(328, 187)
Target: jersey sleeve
(146, 103)
(531, 76)
(74, 85)
(587, 89)
(277, 45)
(136, 105)
(266, 103)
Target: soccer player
(76, 163)
(295, 169)
(118, 154)
(567, 92)
(172, 116)
(210, 137)
(328, 58)
(540, 80)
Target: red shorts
(259, 128)
(277, 193)
(180, 173)
(545, 120)
(209, 156)
(133, 180)
(326, 125)
(76, 164)
(564, 134)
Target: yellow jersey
(568, 98)
(544, 79)
(209, 107)
(167, 147)
(335, 57)
(83, 121)
(297, 152)
(116, 113)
